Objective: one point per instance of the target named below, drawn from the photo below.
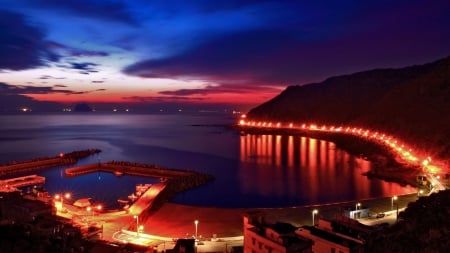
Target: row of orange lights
(401, 149)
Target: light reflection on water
(250, 170)
(299, 168)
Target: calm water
(250, 170)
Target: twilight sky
(208, 53)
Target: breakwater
(42, 163)
(134, 169)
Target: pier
(122, 168)
(9, 185)
(45, 162)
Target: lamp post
(137, 224)
(392, 202)
(196, 227)
(357, 205)
(99, 208)
(61, 198)
(396, 202)
(314, 212)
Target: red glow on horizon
(244, 98)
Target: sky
(207, 54)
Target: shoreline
(385, 165)
(177, 220)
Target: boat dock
(10, 185)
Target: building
(357, 212)
(183, 246)
(14, 207)
(325, 239)
(279, 237)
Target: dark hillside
(412, 103)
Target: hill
(412, 103)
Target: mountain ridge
(412, 103)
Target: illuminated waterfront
(250, 170)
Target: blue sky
(227, 53)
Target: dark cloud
(95, 81)
(22, 45)
(81, 67)
(98, 9)
(9, 90)
(87, 66)
(76, 52)
(221, 89)
(161, 99)
(263, 56)
(370, 35)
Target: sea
(251, 171)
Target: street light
(61, 198)
(392, 202)
(314, 212)
(357, 205)
(420, 192)
(196, 227)
(99, 208)
(397, 210)
(137, 224)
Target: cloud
(45, 77)
(75, 52)
(23, 89)
(9, 90)
(22, 45)
(81, 67)
(161, 99)
(267, 56)
(98, 9)
(221, 89)
(311, 46)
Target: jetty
(125, 168)
(12, 184)
(45, 162)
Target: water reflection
(306, 170)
